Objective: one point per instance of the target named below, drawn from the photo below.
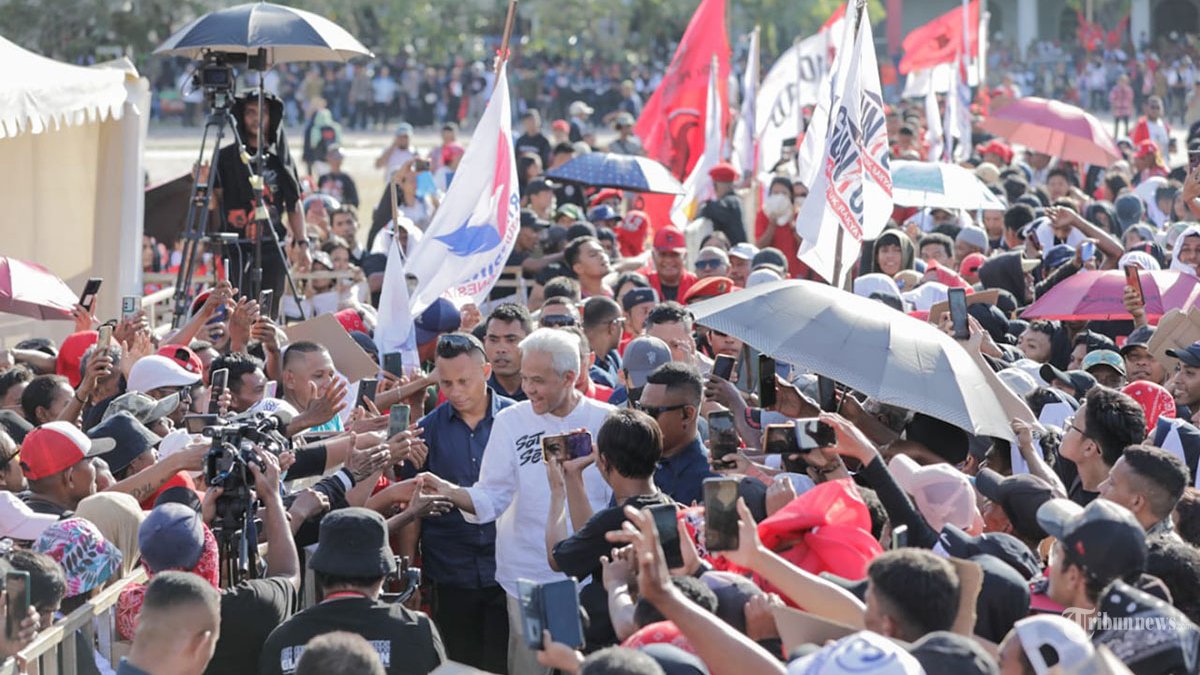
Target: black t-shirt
(407, 642)
(249, 612)
(233, 178)
(515, 259)
(538, 144)
(554, 269)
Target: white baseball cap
(152, 372)
(1050, 640)
(18, 521)
(861, 653)
(744, 251)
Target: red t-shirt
(685, 284)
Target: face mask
(777, 207)
(799, 202)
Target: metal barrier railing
(53, 651)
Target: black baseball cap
(1188, 356)
(1080, 381)
(1140, 337)
(122, 439)
(637, 296)
(538, 185)
(1020, 496)
(530, 219)
(1008, 549)
(1103, 538)
(946, 652)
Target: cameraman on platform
(281, 195)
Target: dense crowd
(588, 478)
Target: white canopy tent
(71, 179)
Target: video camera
(216, 78)
(227, 464)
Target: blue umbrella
(285, 33)
(625, 172)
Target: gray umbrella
(863, 344)
(285, 33)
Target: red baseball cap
(560, 125)
(53, 448)
(723, 173)
(70, 355)
(605, 195)
(971, 264)
(184, 356)
(709, 287)
(670, 239)
(1146, 149)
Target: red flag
(939, 40)
(672, 123)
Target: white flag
(933, 135)
(794, 81)
(698, 188)
(852, 189)
(394, 325)
(472, 234)
(743, 132)
(957, 126)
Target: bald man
(177, 629)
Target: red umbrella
(1098, 296)
(31, 290)
(1055, 128)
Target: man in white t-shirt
(512, 488)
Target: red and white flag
(942, 39)
(852, 188)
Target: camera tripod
(217, 79)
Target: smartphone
(957, 298)
(720, 514)
(528, 595)
(104, 339)
(366, 390)
(88, 297)
(17, 585)
(812, 433)
(398, 419)
(219, 382)
(560, 612)
(393, 362)
(265, 298)
(130, 305)
(1087, 251)
(827, 394)
(780, 439)
(766, 381)
(223, 272)
(722, 437)
(1133, 279)
(723, 367)
(567, 446)
(899, 537)
(666, 520)
(1193, 156)
(195, 423)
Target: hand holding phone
(666, 520)
(957, 299)
(565, 447)
(723, 438)
(766, 381)
(720, 514)
(88, 297)
(16, 584)
(398, 419)
(723, 366)
(393, 362)
(366, 390)
(1132, 278)
(219, 382)
(104, 338)
(130, 305)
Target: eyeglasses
(657, 411)
(451, 345)
(557, 321)
(1070, 422)
(710, 264)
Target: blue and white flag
(472, 234)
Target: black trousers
(474, 625)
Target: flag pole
(860, 9)
(502, 55)
(754, 168)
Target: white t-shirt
(512, 488)
(1158, 134)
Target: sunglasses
(451, 345)
(657, 411)
(558, 321)
(710, 264)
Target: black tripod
(217, 79)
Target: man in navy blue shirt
(672, 397)
(459, 559)
(507, 325)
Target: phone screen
(567, 446)
(766, 381)
(666, 520)
(220, 381)
(17, 585)
(130, 304)
(1087, 251)
(398, 419)
(813, 433)
(88, 297)
(560, 612)
(393, 362)
(528, 594)
(723, 367)
(104, 339)
(366, 390)
(722, 436)
(720, 514)
(779, 439)
(265, 298)
(899, 537)
(957, 297)
(1132, 278)
(827, 394)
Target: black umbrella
(287, 34)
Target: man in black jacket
(725, 209)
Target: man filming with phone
(235, 197)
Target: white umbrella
(287, 34)
(943, 186)
(863, 344)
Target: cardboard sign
(970, 582)
(348, 358)
(1176, 330)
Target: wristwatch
(305, 242)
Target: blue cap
(1189, 356)
(1129, 210)
(1058, 255)
(603, 212)
(440, 317)
(404, 129)
(171, 538)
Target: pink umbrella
(1098, 296)
(31, 290)
(1055, 128)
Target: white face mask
(777, 207)
(799, 202)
